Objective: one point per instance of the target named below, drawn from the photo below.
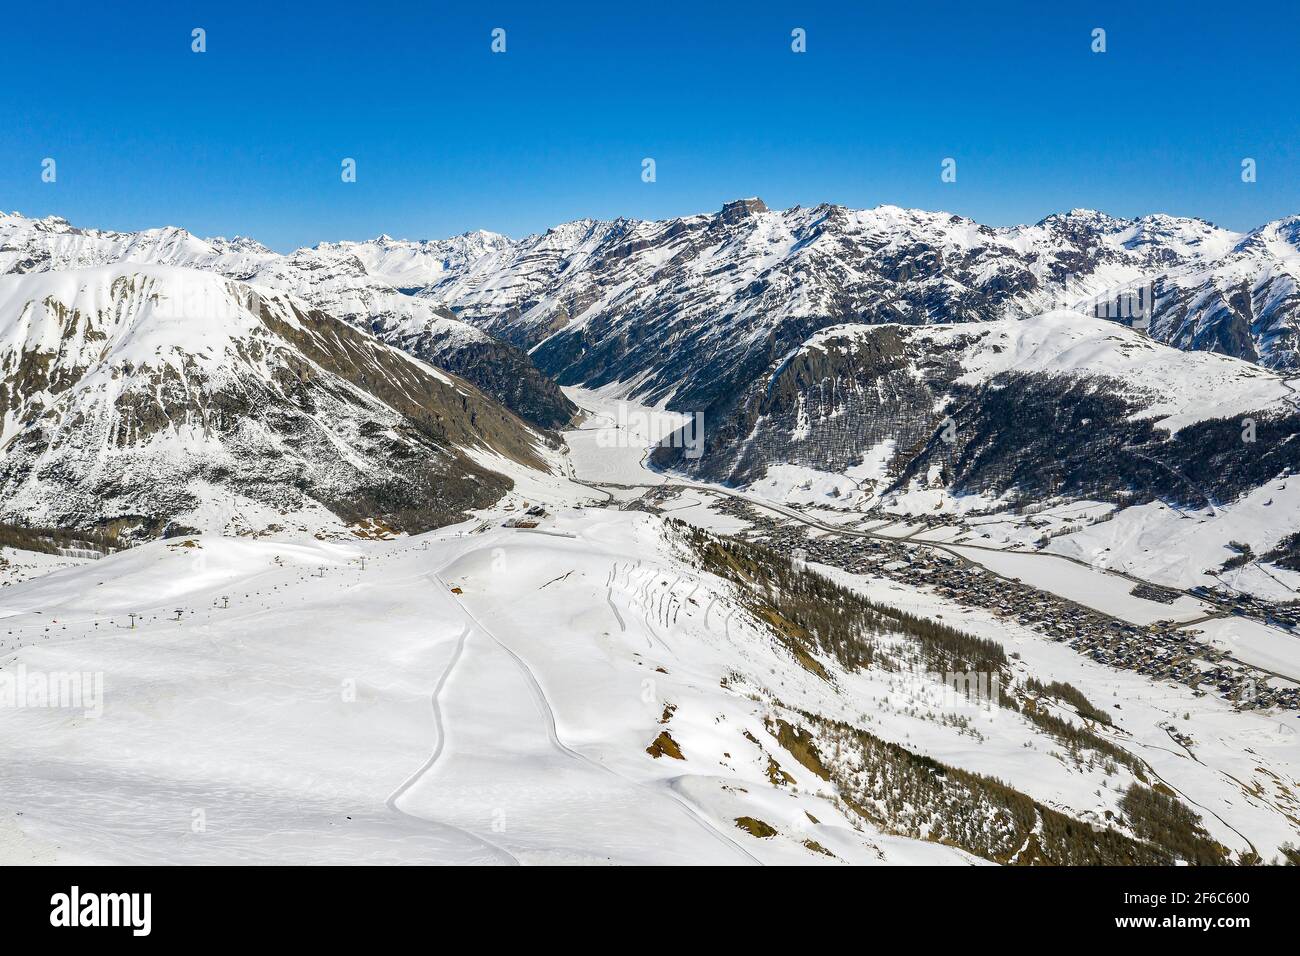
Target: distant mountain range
(329, 279)
(748, 266)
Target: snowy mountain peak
(1090, 220)
(740, 209)
(238, 245)
(1280, 237)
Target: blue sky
(248, 137)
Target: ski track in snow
(548, 716)
(441, 731)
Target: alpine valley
(815, 536)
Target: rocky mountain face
(1060, 404)
(351, 281)
(499, 369)
(143, 398)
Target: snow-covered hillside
(1175, 388)
(1059, 403)
(507, 722)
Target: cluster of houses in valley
(1273, 613)
(1161, 651)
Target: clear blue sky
(248, 137)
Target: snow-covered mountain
(623, 665)
(337, 279)
(138, 398)
(704, 313)
(416, 264)
(691, 307)
(693, 311)
(340, 284)
(1244, 303)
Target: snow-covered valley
(570, 676)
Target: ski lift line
(139, 612)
